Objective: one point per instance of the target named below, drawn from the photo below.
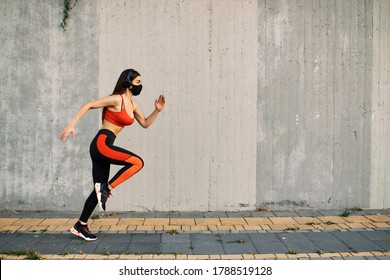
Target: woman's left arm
(146, 122)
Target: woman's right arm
(108, 101)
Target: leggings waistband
(107, 132)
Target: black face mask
(136, 90)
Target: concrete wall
(46, 75)
(201, 152)
(278, 104)
(314, 103)
(380, 122)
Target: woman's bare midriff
(112, 127)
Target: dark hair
(120, 87)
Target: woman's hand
(160, 103)
(67, 130)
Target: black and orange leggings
(103, 154)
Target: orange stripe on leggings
(108, 152)
(136, 166)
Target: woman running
(119, 110)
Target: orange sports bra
(120, 118)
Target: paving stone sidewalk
(289, 244)
(181, 235)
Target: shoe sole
(79, 234)
(99, 196)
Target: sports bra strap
(123, 104)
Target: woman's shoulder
(112, 101)
(117, 98)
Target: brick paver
(379, 218)
(357, 219)
(226, 228)
(131, 221)
(278, 227)
(233, 221)
(28, 221)
(11, 228)
(282, 220)
(332, 219)
(257, 221)
(331, 226)
(145, 228)
(57, 222)
(8, 221)
(307, 220)
(207, 221)
(299, 255)
(252, 227)
(105, 222)
(355, 225)
(182, 221)
(119, 228)
(169, 228)
(381, 225)
(199, 228)
(156, 221)
(62, 228)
